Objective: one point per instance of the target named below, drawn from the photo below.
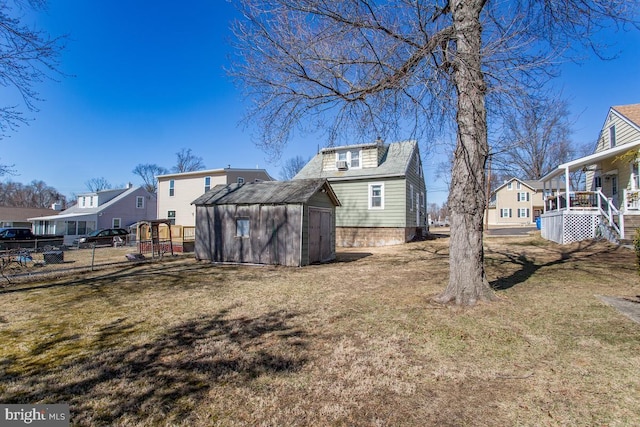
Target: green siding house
(381, 190)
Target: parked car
(16, 234)
(105, 236)
(22, 237)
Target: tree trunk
(467, 281)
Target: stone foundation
(348, 237)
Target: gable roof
(266, 192)
(394, 162)
(8, 213)
(532, 184)
(631, 112)
(76, 210)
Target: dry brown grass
(356, 342)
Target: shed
(272, 222)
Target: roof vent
(342, 165)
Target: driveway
(508, 231)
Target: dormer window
(348, 159)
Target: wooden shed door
(320, 231)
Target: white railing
(609, 211)
(588, 203)
(631, 200)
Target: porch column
(566, 186)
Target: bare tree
(187, 162)
(291, 167)
(148, 172)
(27, 57)
(97, 184)
(37, 194)
(369, 68)
(536, 138)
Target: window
(140, 202)
(83, 200)
(523, 213)
(242, 227)
(523, 196)
(376, 196)
(71, 228)
(505, 213)
(597, 181)
(172, 188)
(82, 227)
(352, 157)
(612, 136)
(207, 183)
(614, 185)
(240, 180)
(510, 186)
(116, 223)
(171, 215)
(355, 159)
(518, 185)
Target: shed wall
(274, 236)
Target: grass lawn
(356, 342)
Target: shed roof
(395, 162)
(266, 192)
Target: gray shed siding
(321, 201)
(274, 236)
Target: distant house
(381, 190)
(117, 208)
(19, 217)
(286, 223)
(176, 191)
(516, 202)
(609, 206)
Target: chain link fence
(22, 263)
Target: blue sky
(147, 79)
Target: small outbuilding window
(242, 227)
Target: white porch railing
(631, 200)
(581, 218)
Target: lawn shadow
(528, 266)
(164, 379)
(166, 273)
(344, 257)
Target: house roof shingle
(394, 162)
(8, 213)
(631, 112)
(266, 192)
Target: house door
(320, 231)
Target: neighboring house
(118, 208)
(516, 202)
(176, 191)
(610, 205)
(381, 190)
(286, 223)
(19, 217)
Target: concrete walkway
(630, 307)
